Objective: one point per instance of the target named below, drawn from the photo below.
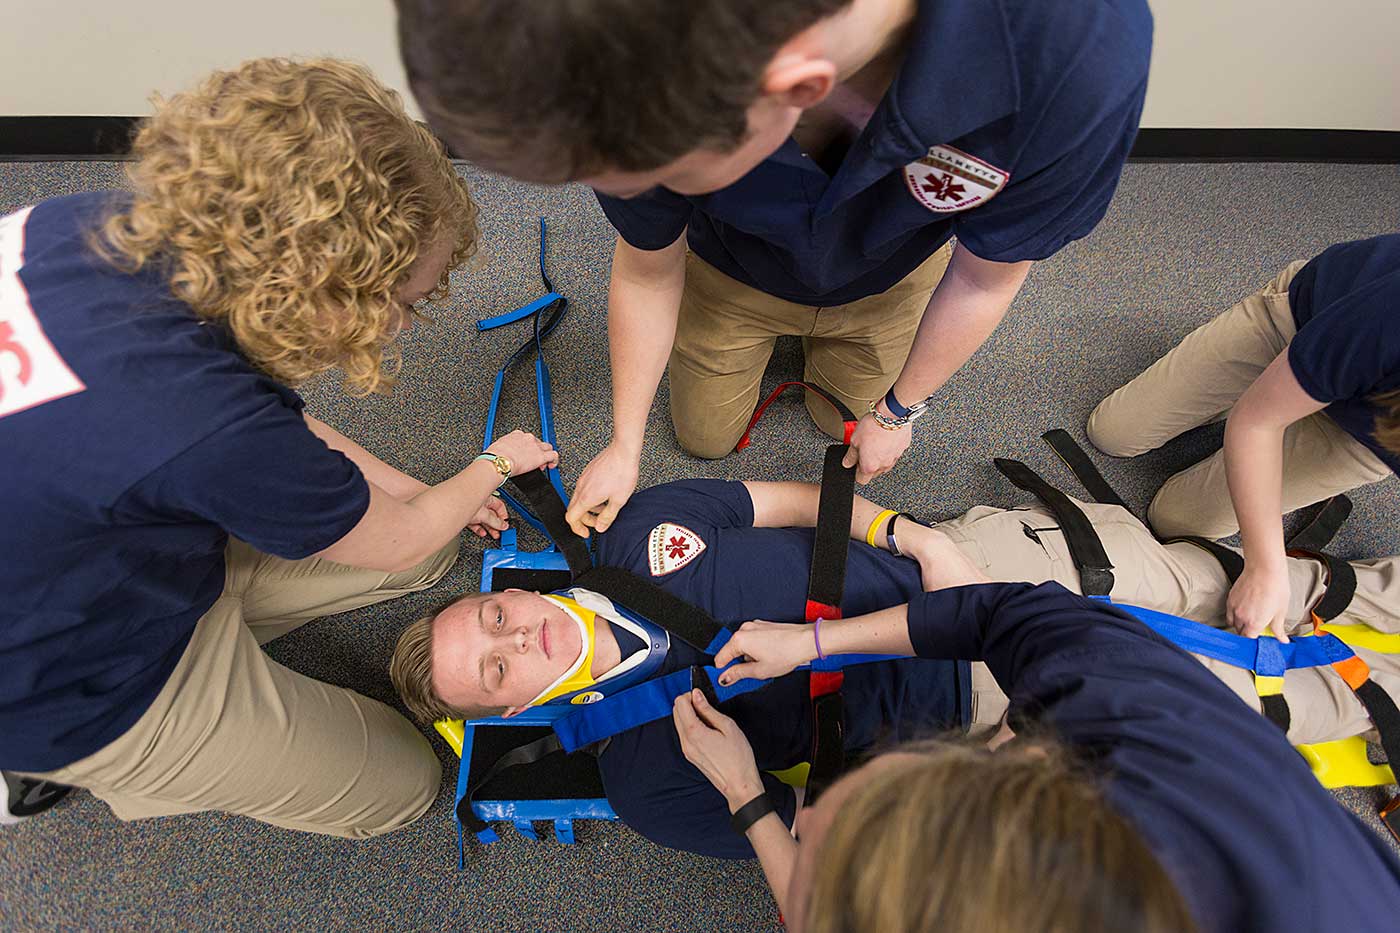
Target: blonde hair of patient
(954, 838)
(289, 200)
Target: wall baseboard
(58, 139)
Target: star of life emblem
(670, 547)
(949, 180)
(31, 370)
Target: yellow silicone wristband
(875, 526)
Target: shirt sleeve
(1062, 185)
(267, 480)
(1348, 350)
(700, 504)
(662, 796)
(649, 221)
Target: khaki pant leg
(857, 350)
(724, 337)
(280, 595)
(1319, 460)
(1199, 380)
(236, 732)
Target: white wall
(1324, 64)
(1316, 64)
(106, 57)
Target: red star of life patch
(31, 371)
(670, 547)
(949, 180)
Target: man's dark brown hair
(549, 90)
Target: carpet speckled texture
(1180, 244)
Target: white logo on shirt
(670, 547)
(31, 371)
(949, 180)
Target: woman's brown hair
(951, 837)
(288, 201)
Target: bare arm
(644, 300)
(396, 534)
(395, 482)
(966, 307)
(1254, 469)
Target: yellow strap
(875, 526)
(1363, 636)
(1268, 686)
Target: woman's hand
(768, 649)
(524, 451)
(716, 745)
(491, 519)
(1259, 600)
(603, 488)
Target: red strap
(822, 683)
(816, 610)
(848, 420)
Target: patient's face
(501, 649)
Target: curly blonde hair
(289, 201)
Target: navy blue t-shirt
(696, 539)
(1228, 807)
(133, 441)
(1346, 303)
(1007, 125)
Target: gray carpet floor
(1180, 244)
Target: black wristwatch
(890, 541)
(750, 813)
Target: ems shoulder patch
(670, 547)
(948, 180)
(31, 370)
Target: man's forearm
(794, 505)
(395, 482)
(1254, 473)
(965, 309)
(644, 300)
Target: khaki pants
(1184, 580)
(726, 334)
(235, 731)
(1198, 382)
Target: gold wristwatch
(502, 464)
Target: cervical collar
(579, 676)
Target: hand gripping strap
(848, 420)
(1090, 559)
(544, 499)
(826, 579)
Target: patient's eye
(500, 671)
(500, 619)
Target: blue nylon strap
(654, 699)
(1264, 656)
(519, 314)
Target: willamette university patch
(31, 371)
(949, 180)
(670, 547)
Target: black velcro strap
(1083, 468)
(536, 489)
(1341, 584)
(1384, 716)
(523, 755)
(828, 744)
(1085, 548)
(1275, 709)
(826, 580)
(689, 623)
(1231, 561)
(698, 681)
(1323, 526)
